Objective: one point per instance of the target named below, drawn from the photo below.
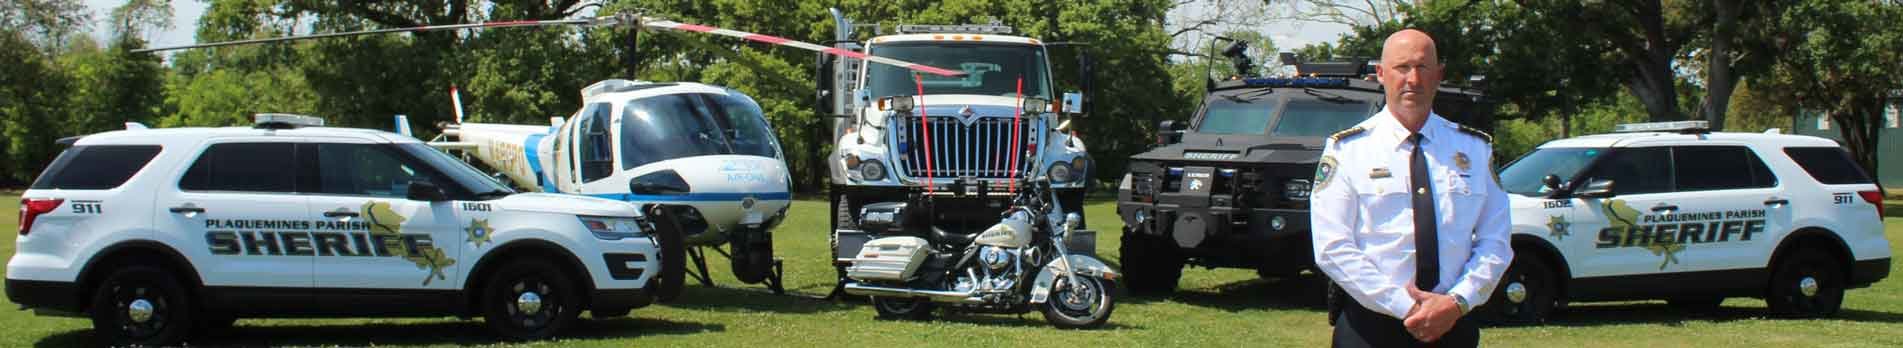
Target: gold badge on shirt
(1460, 160)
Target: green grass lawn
(1221, 308)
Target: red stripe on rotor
(925, 126)
(766, 38)
(695, 27)
(846, 53)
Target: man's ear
(1380, 73)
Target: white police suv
(1672, 211)
(156, 233)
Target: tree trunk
(1719, 79)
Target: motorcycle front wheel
(1084, 306)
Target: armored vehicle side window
(367, 170)
(95, 167)
(1703, 168)
(244, 167)
(1637, 170)
(1315, 118)
(1829, 165)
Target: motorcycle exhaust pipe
(933, 295)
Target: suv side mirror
(665, 182)
(1596, 188)
(1551, 183)
(423, 190)
(1074, 103)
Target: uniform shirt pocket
(1384, 202)
(1458, 200)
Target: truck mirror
(1074, 103)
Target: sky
(1286, 35)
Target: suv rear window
(1829, 165)
(95, 167)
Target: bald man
(1406, 216)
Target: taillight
(1875, 198)
(31, 208)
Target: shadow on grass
(448, 332)
(1658, 313)
(1301, 292)
(1033, 319)
(755, 299)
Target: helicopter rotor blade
(621, 19)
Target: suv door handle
(1664, 207)
(188, 209)
(340, 213)
(1777, 201)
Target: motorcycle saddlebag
(890, 258)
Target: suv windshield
(1300, 117)
(990, 69)
(1523, 176)
(661, 128)
(483, 186)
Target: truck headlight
(1296, 189)
(871, 170)
(1061, 172)
(612, 228)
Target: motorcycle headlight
(1296, 189)
(1061, 172)
(872, 170)
(612, 228)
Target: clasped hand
(1432, 316)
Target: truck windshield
(661, 128)
(1523, 176)
(1299, 117)
(990, 69)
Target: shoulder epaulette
(1346, 133)
(1476, 133)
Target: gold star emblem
(1557, 227)
(479, 231)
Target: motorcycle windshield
(661, 128)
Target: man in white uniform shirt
(1407, 217)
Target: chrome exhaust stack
(933, 295)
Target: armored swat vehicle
(1229, 188)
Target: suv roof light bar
(1689, 127)
(955, 29)
(285, 121)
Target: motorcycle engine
(996, 258)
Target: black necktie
(1426, 228)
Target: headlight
(610, 228)
(1060, 172)
(1296, 189)
(871, 170)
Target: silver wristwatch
(1461, 302)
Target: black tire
(842, 219)
(1695, 304)
(1786, 294)
(506, 300)
(1070, 309)
(673, 249)
(903, 309)
(1537, 284)
(1151, 266)
(168, 313)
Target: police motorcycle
(1020, 264)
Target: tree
(1840, 58)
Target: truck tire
(842, 219)
(142, 306)
(1151, 266)
(1806, 284)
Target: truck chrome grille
(958, 149)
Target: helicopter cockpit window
(661, 128)
(597, 160)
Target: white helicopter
(705, 153)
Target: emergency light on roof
(954, 29)
(1297, 82)
(1676, 126)
(285, 121)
